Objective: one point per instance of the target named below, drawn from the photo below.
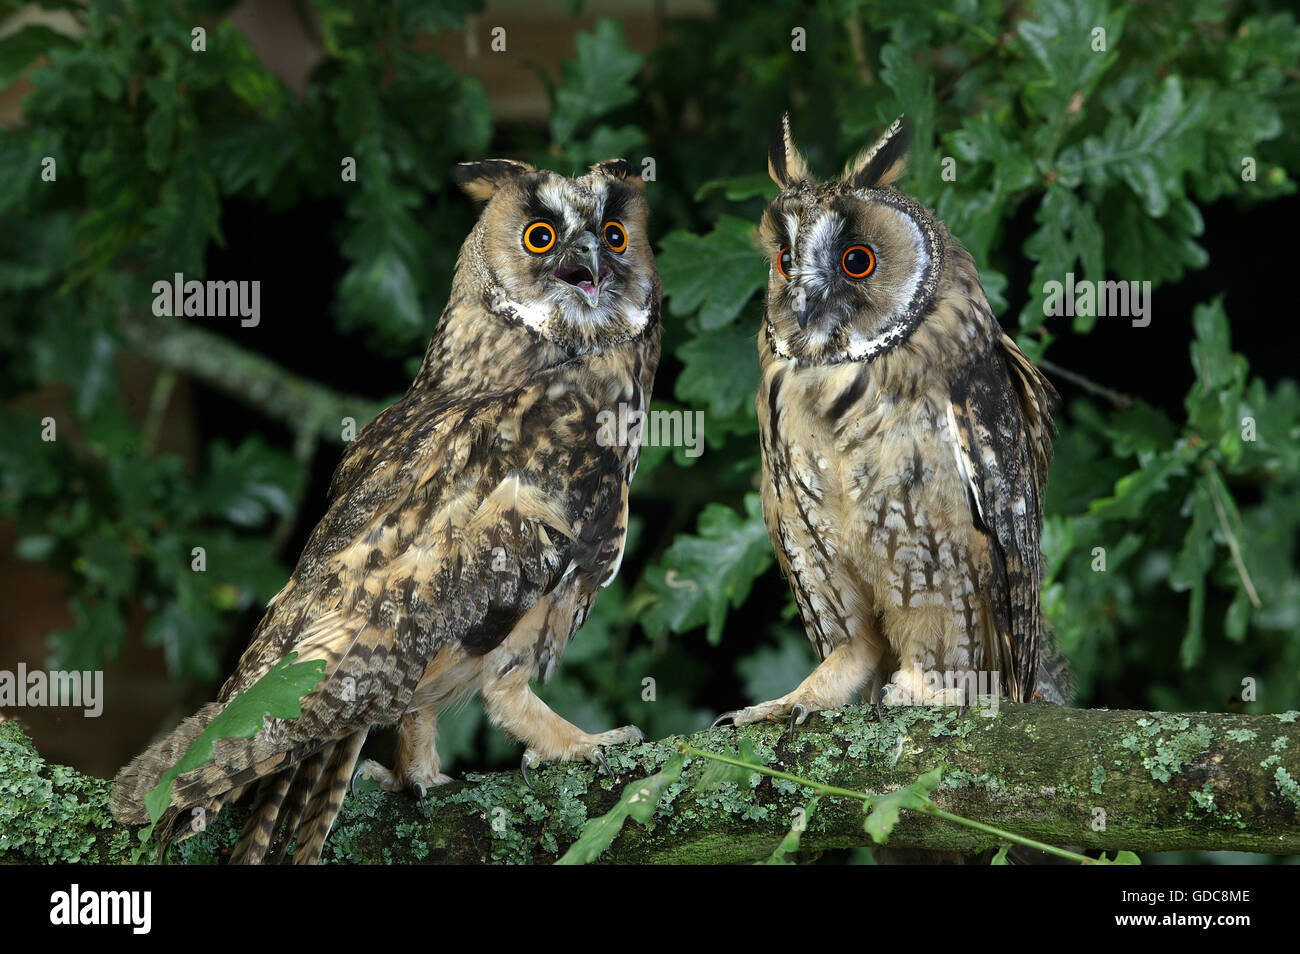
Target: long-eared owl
(470, 525)
(905, 443)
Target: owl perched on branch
(470, 525)
(905, 444)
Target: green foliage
(639, 801)
(882, 811)
(20, 48)
(1067, 158)
(702, 574)
(718, 773)
(712, 276)
(598, 81)
(1160, 502)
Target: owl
(470, 525)
(905, 443)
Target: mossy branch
(1094, 779)
(300, 404)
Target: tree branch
(1093, 778)
(298, 403)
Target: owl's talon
(598, 757)
(523, 768)
(880, 709)
(724, 718)
(385, 778)
(797, 714)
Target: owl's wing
(448, 523)
(1002, 430)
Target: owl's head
(569, 259)
(854, 262)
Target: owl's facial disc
(852, 270)
(568, 258)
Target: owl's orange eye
(784, 262)
(539, 237)
(858, 261)
(615, 235)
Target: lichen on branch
(1094, 779)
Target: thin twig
(160, 397)
(1122, 401)
(930, 807)
(858, 47)
(995, 47)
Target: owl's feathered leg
(936, 655)
(512, 705)
(910, 686)
(844, 671)
(418, 766)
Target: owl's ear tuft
(620, 169)
(785, 164)
(480, 180)
(883, 163)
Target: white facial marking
(792, 229)
(557, 196)
(535, 316)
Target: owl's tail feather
(267, 806)
(290, 782)
(303, 799)
(304, 783)
(1056, 682)
(327, 799)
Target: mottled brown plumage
(470, 525)
(905, 444)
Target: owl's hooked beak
(805, 310)
(581, 267)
